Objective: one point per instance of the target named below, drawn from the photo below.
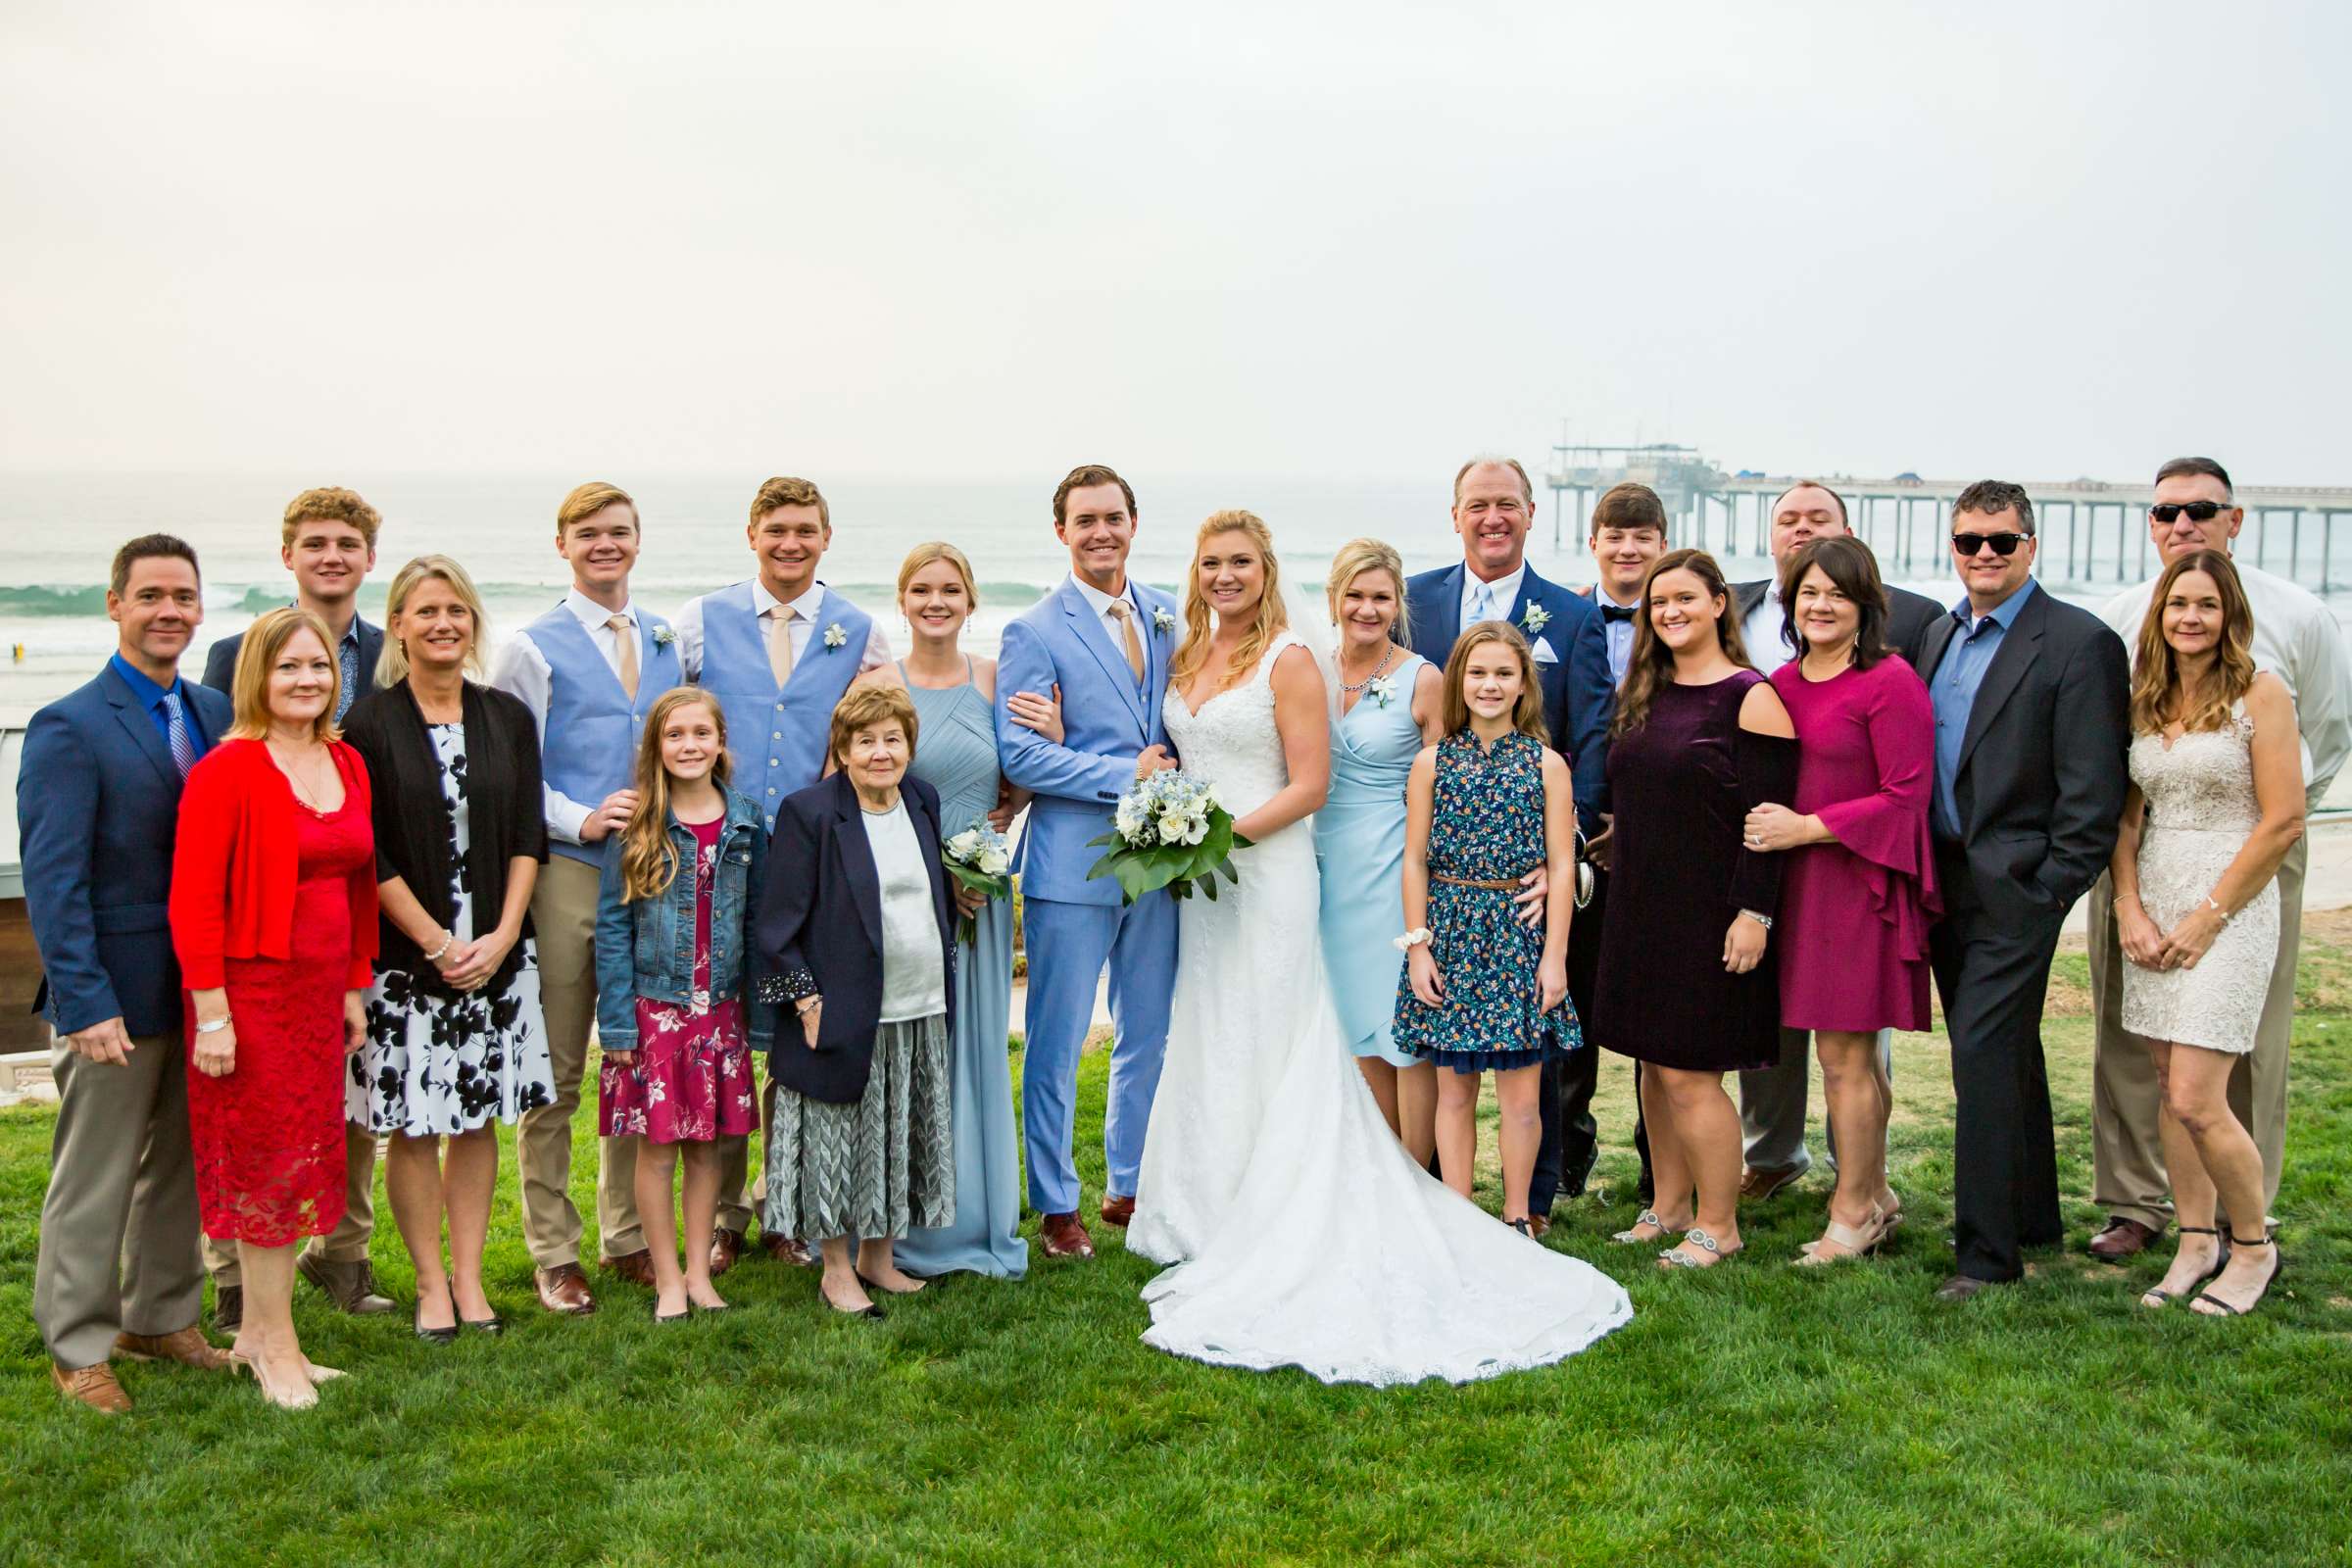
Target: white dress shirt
(2298, 639)
(522, 670)
(1503, 592)
(1617, 636)
(1760, 628)
(804, 612)
(1101, 603)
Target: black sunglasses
(2198, 510)
(2003, 544)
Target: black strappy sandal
(2156, 1296)
(2223, 1309)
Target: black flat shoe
(871, 1309)
(493, 1324)
(673, 1317)
(447, 1335)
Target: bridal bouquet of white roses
(1169, 832)
(978, 858)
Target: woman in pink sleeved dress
(1858, 893)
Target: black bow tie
(1615, 613)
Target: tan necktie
(626, 635)
(779, 642)
(1135, 645)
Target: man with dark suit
(2030, 697)
(1493, 507)
(329, 544)
(98, 807)
(1772, 1099)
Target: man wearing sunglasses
(2297, 638)
(2031, 698)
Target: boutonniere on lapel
(1381, 690)
(835, 636)
(1535, 620)
(1161, 621)
(663, 636)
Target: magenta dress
(1855, 914)
(691, 1081)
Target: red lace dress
(268, 1136)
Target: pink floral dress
(692, 1078)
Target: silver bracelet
(214, 1027)
(1764, 920)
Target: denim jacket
(646, 949)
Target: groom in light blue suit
(1105, 643)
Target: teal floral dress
(1486, 826)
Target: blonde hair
(257, 655)
(1270, 621)
(392, 665)
(871, 704)
(649, 861)
(931, 550)
(2156, 691)
(790, 492)
(1527, 713)
(587, 499)
(1358, 557)
(329, 504)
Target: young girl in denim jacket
(674, 1003)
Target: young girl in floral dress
(674, 1003)
(1482, 992)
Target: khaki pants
(1772, 1104)
(119, 1227)
(563, 918)
(348, 1242)
(2127, 1153)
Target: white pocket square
(1544, 653)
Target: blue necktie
(1482, 604)
(184, 743)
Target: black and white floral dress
(433, 1067)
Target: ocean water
(59, 532)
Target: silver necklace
(1347, 690)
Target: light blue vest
(777, 737)
(592, 726)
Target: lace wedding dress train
(1301, 1233)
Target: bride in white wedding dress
(1301, 1232)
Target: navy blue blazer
(1578, 694)
(98, 810)
(220, 660)
(820, 933)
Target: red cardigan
(235, 868)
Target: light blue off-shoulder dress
(1360, 846)
(955, 754)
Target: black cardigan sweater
(415, 839)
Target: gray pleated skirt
(879, 1166)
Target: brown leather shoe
(1960, 1287)
(1065, 1236)
(636, 1267)
(188, 1346)
(2122, 1239)
(228, 1309)
(565, 1289)
(1537, 1225)
(725, 1247)
(784, 1249)
(350, 1286)
(1758, 1183)
(1118, 1211)
(93, 1386)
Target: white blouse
(914, 979)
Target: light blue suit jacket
(1106, 723)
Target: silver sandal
(1676, 1258)
(1648, 1216)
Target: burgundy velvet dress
(1856, 913)
(1682, 786)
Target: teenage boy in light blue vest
(778, 651)
(589, 671)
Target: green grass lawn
(1755, 1414)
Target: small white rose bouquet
(978, 859)
(1169, 831)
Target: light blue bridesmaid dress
(955, 754)
(1360, 848)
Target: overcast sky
(940, 241)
